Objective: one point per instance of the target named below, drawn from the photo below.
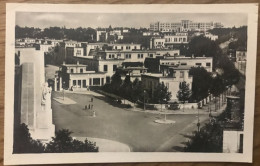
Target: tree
(201, 83)
(202, 46)
(161, 94)
(217, 87)
(208, 139)
(23, 142)
(137, 90)
(126, 88)
(64, 143)
(116, 82)
(184, 92)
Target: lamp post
(198, 124)
(144, 100)
(63, 84)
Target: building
(101, 35)
(233, 133)
(153, 64)
(77, 77)
(132, 69)
(32, 95)
(168, 40)
(211, 36)
(171, 76)
(184, 26)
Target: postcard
(105, 83)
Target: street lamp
(144, 100)
(63, 84)
(198, 124)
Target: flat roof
(74, 65)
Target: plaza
(113, 122)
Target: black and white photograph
(113, 80)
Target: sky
(136, 20)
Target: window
(74, 82)
(84, 83)
(182, 74)
(113, 55)
(198, 64)
(116, 47)
(96, 81)
(142, 55)
(138, 55)
(109, 56)
(114, 67)
(167, 85)
(208, 64)
(183, 64)
(151, 55)
(71, 71)
(81, 70)
(128, 56)
(105, 67)
(121, 47)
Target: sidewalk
(82, 92)
(180, 111)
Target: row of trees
(134, 91)
(78, 34)
(61, 143)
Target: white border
(11, 159)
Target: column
(70, 83)
(55, 84)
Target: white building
(233, 141)
(184, 26)
(77, 77)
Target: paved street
(133, 128)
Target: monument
(35, 102)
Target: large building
(184, 26)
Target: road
(112, 122)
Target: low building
(171, 76)
(77, 77)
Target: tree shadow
(113, 102)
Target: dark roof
(132, 64)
